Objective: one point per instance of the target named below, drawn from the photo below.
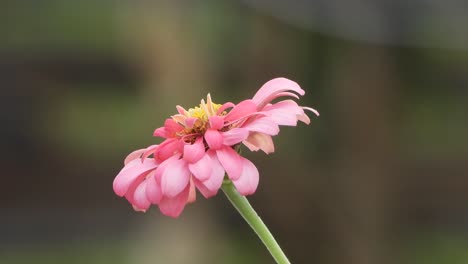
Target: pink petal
(207, 193)
(214, 139)
(202, 168)
(224, 107)
(181, 110)
(195, 151)
(139, 197)
(231, 162)
(273, 87)
(242, 109)
(168, 148)
(174, 206)
(312, 110)
(153, 190)
(286, 113)
(175, 178)
(160, 132)
(257, 141)
(134, 155)
(192, 193)
(162, 167)
(131, 172)
(263, 125)
(216, 122)
(189, 122)
(216, 178)
(234, 136)
(248, 181)
(149, 151)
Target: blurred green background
(379, 177)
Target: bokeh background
(379, 177)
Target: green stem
(248, 213)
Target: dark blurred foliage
(379, 177)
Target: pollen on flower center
(201, 113)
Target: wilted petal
(174, 206)
(231, 162)
(257, 141)
(195, 151)
(248, 181)
(192, 193)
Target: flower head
(199, 148)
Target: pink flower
(200, 148)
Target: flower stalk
(243, 206)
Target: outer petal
(263, 125)
(214, 139)
(175, 178)
(173, 207)
(231, 162)
(134, 155)
(131, 172)
(153, 190)
(271, 88)
(195, 151)
(202, 168)
(139, 197)
(242, 109)
(234, 136)
(210, 187)
(257, 141)
(192, 193)
(217, 174)
(248, 181)
(287, 113)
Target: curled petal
(234, 136)
(174, 206)
(231, 162)
(224, 107)
(285, 113)
(134, 155)
(248, 181)
(242, 109)
(214, 139)
(257, 141)
(195, 151)
(130, 173)
(272, 88)
(175, 178)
